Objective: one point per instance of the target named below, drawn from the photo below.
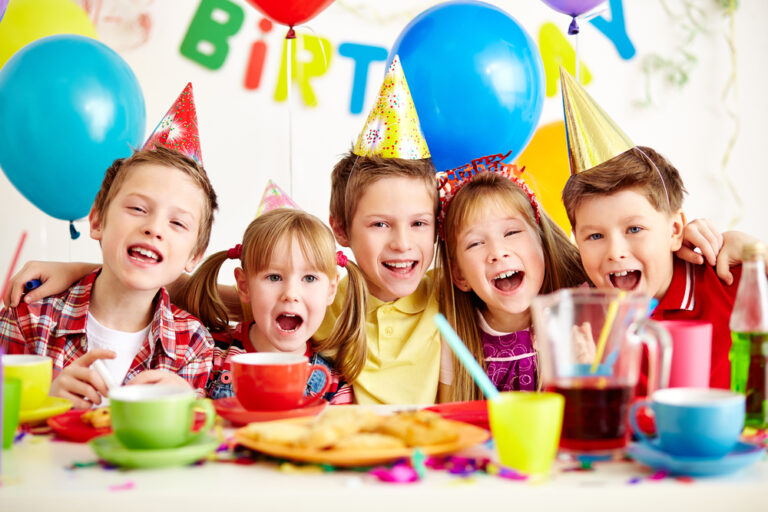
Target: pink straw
(13, 262)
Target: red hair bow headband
(449, 182)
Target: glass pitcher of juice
(590, 344)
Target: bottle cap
(754, 251)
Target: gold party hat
(593, 137)
(392, 129)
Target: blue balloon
(69, 106)
(476, 78)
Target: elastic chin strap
(661, 177)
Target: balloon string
(290, 42)
(577, 53)
(73, 233)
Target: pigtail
(459, 309)
(200, 294)
(348, 337)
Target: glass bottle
(749, 336)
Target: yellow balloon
(29, 20)
(547, 169)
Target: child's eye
(634, 229)
(179, 224)
(310, 278)
(379, 224)
(420, 223)
(274, 277)
(595, 236)
(137, 209)
(511, 232)
(473, 244)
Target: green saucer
(52, 406)
(111, 450)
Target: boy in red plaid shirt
(152, 218)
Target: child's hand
(583, 343)
(159, 377)
(701, 234)
(55, 277)
(731, 253)
(80, 383)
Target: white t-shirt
(125, 344)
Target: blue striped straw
(466, 358)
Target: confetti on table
(287, 467)
(418, 463)
(80, 465)
(659, 475)
(127, 486)
(397, 474)
(635, 480)
(685, 479)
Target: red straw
(13, 262)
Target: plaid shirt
(235, 341)
(55, 327)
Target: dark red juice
(595, 418)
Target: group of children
(497, 250)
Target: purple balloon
(3, 5)
(573, 7)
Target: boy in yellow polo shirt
(383, 207)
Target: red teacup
(269, 381)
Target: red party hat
(178, 128)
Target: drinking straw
(13, 262)
(466, 358)
(609, 318)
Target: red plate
(474, 413)
(70, 427)
(231, 409)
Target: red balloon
(290, 12)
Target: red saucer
(474, 412)
(70, 427)
(230, 408)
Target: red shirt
(696, 293)
(55, 327)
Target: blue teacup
(694, 422)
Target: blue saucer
(651, 454)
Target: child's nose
(153, 228)
(617, 249)
(496, 253)
(290, 291)
(400, 240)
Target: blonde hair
(118, 172)
(353, 174)
(200, 295)
(562, 264)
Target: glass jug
(590, 345)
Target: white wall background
(244, 133)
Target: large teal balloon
(476, 78)
(69, 106)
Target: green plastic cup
(11, 402)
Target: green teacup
(34, 372)
(11, 399)
(157, 416)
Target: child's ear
(94, 220)
(332, 289)
(338, 231)
(242, 285)
(192, 262)
(678, 227)
(458, 279)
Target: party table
(41, 473)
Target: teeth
(622, 273)
(399, 264)
(508, 273)
(146, 252)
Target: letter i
(258, 54)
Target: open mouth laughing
(625, 279)
(144, 254)
(288, 322)
(400, 267)
(509, 280)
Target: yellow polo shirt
(403, 362)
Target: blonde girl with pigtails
(286, 279)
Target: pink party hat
(392, 129)
(178, 128)
(274, 197)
